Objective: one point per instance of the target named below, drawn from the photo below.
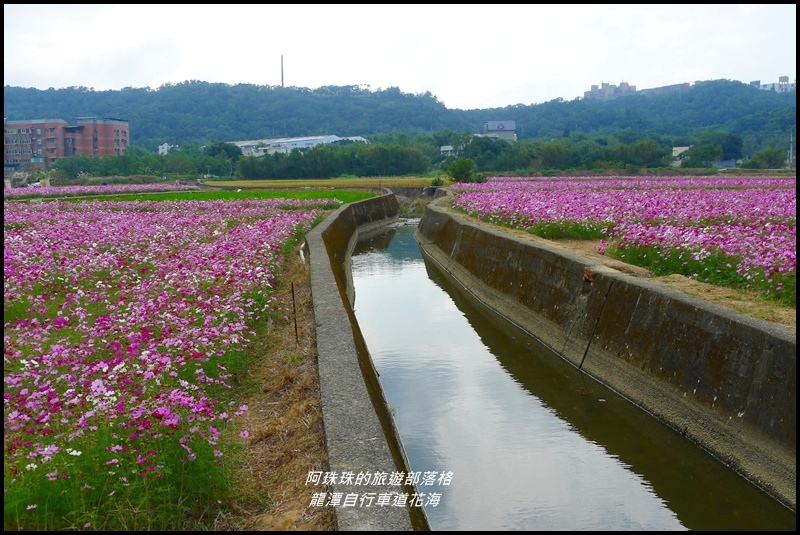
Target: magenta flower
(124, 316)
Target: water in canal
(530, 443)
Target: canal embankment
(725, 380)
(360, 434)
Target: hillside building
(506, 130)
(35, 144)
(164, 148)
(781, 86)
(447, 150)
(678, 155)
(665, 89)
(609, 91)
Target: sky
(475, 56)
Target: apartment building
(38, 143)
(608, 91)
(781, 86)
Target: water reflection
(532, 443)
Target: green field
(329, 183)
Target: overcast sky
(468, 56)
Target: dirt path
(286, 436)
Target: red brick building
(38, 143)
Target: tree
(731, 144)
(485, 151)
(180, 163)
(461, 169)
(702, 156)
(229, 150)
(772, 158)
(647, 153)
(555, 154)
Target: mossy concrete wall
(724, 380)
(360, 434)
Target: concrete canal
(592, 400)
(507, 435)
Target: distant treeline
(196, 112)
(401, 154)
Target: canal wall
(724, 380)
(360, 434)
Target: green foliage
(554, 155)
(484, 152)
(701, 156)
(341, 195)
(181, 499)
(716, 269)
(719, 120)
(227, 150)
(769, 158)
(527, 157)
(461, 169)
(566, 230)
(337, 159)
(15, 309)
(193, 114)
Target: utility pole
(281, 70)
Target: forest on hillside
(196, 112)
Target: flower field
(733, 231)
(124, 329)
(74, 191)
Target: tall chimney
(281, 70)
